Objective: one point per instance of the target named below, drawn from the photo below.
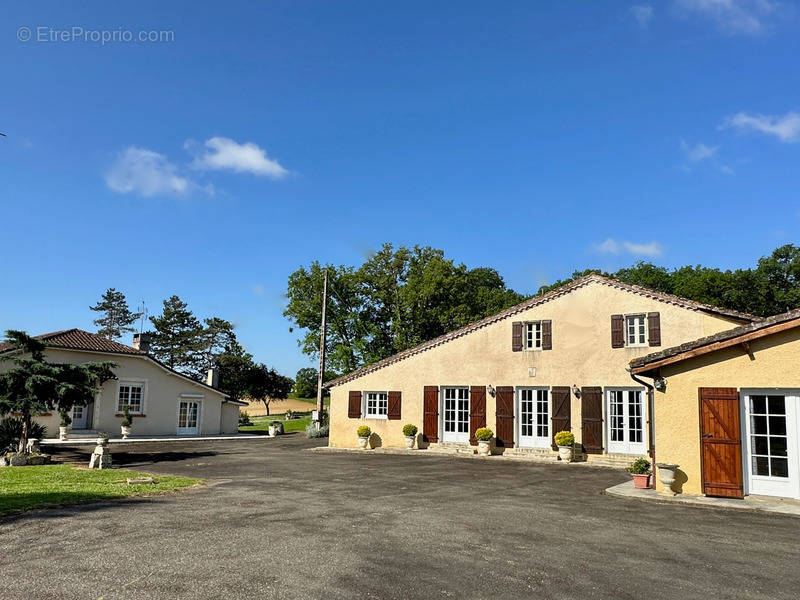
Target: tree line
(401, 297)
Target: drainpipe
(650, 425)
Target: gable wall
(581, 355)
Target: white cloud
(699, 151)
(732, 16)
(786, 127)
(226, 154)
(612, 246)
(147, 173)
(642, 14)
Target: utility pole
(322, 336)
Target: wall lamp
(576, 391)
(660, 384)
(491, 390)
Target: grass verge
(24, 488)
(260, 425)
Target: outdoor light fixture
(660, 384)
(491, 391)
(576, 391)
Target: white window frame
(532, 335)
(381, 400)
(454, 436)
(626, 446)
(534, 441)
(142, 383)
(646, 333)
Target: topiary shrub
(641, 466)
(484, 434)
(564, 438)
(364, 431)
(312, 431)
(410, 430)
(127, 420)
(66, 419)
(11, 430)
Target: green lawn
(260, 425)
(24, 488)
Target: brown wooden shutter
(393, 409)
(354, 405)
(430, 414)
(505, 417)
(592, 419)
(720, 442)
(561, 411)
(654, 328)
(547, 335)
(477, 411)
(516, 336)
(617, 331)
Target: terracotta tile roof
(77, 339)
(755, 330)
(537, 300)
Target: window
(533, 335)
(635, 330)
(768, 438)
(377, 405)
(130, 395)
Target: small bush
(127, 420)
(313, 432)
(364, 431)
(244, 418)
(66, 419)
(641, 466)
(564, 438)
(410, 430)
(484, 434)
(288, 415)
(11, 430)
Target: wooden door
(505, 417)
(477, 411)
(430, 416)
(561, 411)
(592, 419)
(720, 442)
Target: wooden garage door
(592, 419)
(561, 411)
(720, 442)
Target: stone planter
(410, 439)
(641, 482)
(484, 447)
(125, 430)
(666, 473)
(102, 440)
(363, 443)
(275, 428)
(565, 453)
(63, 432)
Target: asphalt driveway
(276, 521)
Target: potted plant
(102, 439)
(288, 415)
(275, 428)
(640, 469)
(410, 432)
(484, 436)
(363, 436)
(565, 441)
(127, 421)
(666, 473)
(66, 421)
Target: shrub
(564, 438)
(66, 419)
(364, 431)
(244, 418)
(288, 415)
(11, 430)
(641, 466)
(410, 430)
(313, 432)
(484, 434)
(127, 420)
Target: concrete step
(618, 461)
(537, 454)
(452, 448)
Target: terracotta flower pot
(641, 482)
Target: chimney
(141, 341)
(212, 379)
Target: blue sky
(533, 137)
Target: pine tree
(218, 336)
(178, 338)
(117, 316)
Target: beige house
(161, 400)
(727, 410)
(554, 362)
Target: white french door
(188, 417)
(455, 414)
(625, 410)
(534, 417)
(79, 417)
(770, 444)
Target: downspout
(651, 433)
